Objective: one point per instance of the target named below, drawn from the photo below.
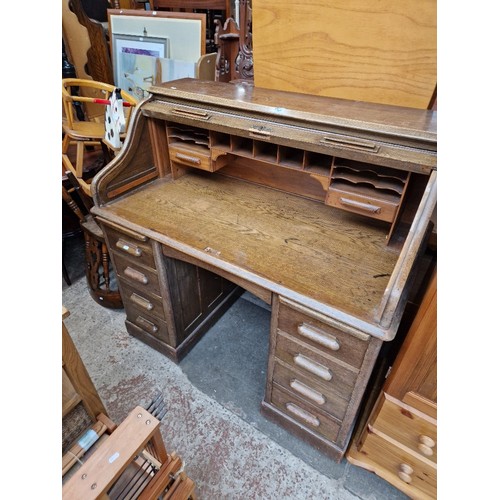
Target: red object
(106, 101)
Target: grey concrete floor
(213, 396)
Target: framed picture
(134, 62)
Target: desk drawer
(131, 245)
(407, 428)
(141, 277)
(402, 466)
(191, 157)
(304, 413)
(147, 323)
(327, 338)
(318, 368)
(145, 302)
(310, 390)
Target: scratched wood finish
(384, 52)
(325, 254)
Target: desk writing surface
(326, 254)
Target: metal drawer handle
(351, 143)
(367, 207)
(306, 391)
(194, 114)
(312, 367)
(146, 325)
(136, 275)
(311, 333)
(189, 159)
(141, 301)
(130, 248)
(303, 414)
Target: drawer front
(149, 324)
(401, 465)
(148, 303)
(309, 362)
(304, 413)
(306, 388)
(141, 277)
(190, 158)
(364, 205)
(125, 244)
(328, 339)
(407, 428)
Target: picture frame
(135, 62)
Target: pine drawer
(327, 338)
(407, 427)
(394, 463)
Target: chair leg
(64, 268)
(79, 158)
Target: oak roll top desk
(321, 207)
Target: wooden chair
(97, 261)
(87, 130)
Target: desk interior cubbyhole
(220, 140)
(291, 157)
(178, 134)
(318, 163)
(265, 151)
(242, 145)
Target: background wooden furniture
(86, 129)
(132, 463)
(399, 440)
(82, 408)
(327, 227)
(86, 43)
(383, 52)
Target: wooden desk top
(301, 249)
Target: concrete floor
(213, 398)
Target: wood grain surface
(383, 52)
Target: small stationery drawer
(190, 158)
(308, 389)
(149, 324)
(373, 207)
(148, 303)
(407, 428)
(132, 245)
(328, 339)
(304, 360)
(405, 467)
(142, 277)
(305, 414)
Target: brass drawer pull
(367, 207)
(259, 133)
(306, 391)
(351, 143)
(303, 414)
(141, 301)
(425, 445)
(194, 114)
(146, 325)
(189, 159)
(311, 333)
(136, 275)
(130, 248)
(312, 367)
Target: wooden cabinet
(399, 441)
(321, 207)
